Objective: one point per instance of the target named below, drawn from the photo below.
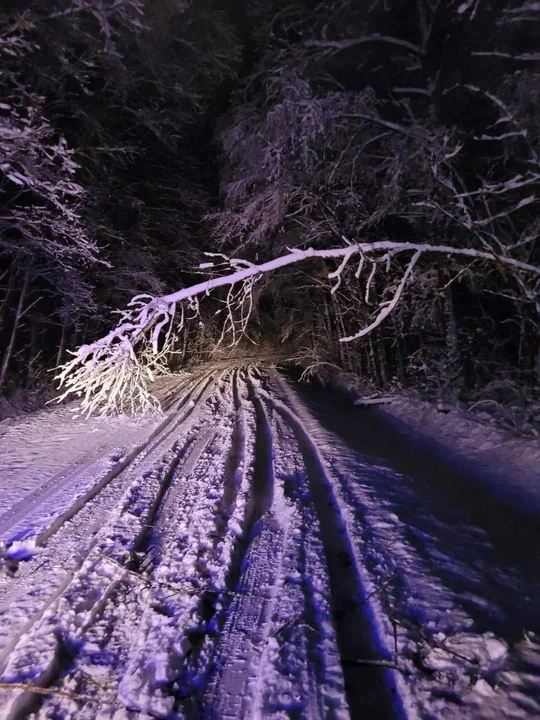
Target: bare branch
(494, 53)
(385, 312)
(375, 37)
(410, 132)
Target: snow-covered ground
(238, 558)
(509, 463)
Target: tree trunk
(343, 351)
(18, 315)
(454, 381)
(381, 357)
(376, 379)
(63, 340)
(184, 343)
(35, 352)
(400, 365)
(5, 301)
(398, 353)
(369, 372)
(327, 320)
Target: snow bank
(501, 458)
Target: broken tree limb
(112, 373)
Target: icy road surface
(236, 558)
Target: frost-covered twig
(383, 400)
(337, 45)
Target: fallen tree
(112, 373)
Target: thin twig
(372, 663)
(28, 687)
(378, 589)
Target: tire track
(30, 525)
(182, 554)
(272, 581)
(120, 631)
(253, 583)
(228, 547)
(109, 644)
(40, 653)
(157, 593)
(370, 686)
(25, 598)
(303, 675)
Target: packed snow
(242, 557)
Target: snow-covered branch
(388, 307)
(112, 372)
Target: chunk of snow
(484, 688)
(21, 549)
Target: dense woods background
(135, 136)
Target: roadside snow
(510, 464)
(35, 448)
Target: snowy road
(236, 559)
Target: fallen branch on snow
(28, 687)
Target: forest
(348, 185)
